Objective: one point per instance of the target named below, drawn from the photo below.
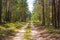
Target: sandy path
(21, 33)
(34, 33)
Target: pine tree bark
(43, 20)
(0, 11)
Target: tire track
(34, 33)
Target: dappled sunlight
(33, 32)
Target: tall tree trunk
(54, 14)
(8, 12)
(48, 11)
(0, 11)
(43, 20)
(59, 14)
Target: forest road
(21, 33)
(34, 33)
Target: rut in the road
(34, 33)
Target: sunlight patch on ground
(22, 30)
(33, 32)
(19, 35)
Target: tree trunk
(48, 12)
(0, 11)
(43, 20)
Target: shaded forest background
(45, 11)
(48, 12)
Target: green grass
(27, 33)
(9, 29)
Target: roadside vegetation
(10, 29)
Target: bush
(52, 31)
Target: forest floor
(47, 33)
(30, 32)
